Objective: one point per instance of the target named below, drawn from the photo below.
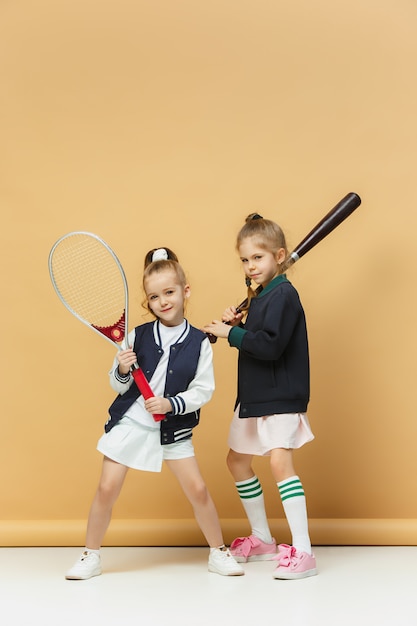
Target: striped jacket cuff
(178, 405)
(121, 378)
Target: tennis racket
(89, 280)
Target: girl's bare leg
(282, 465)
(189, 477)
(240, 465)
(110, 484)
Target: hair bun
(254, 216)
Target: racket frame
(71, 310)
(138, 375)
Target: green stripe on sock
(252, 483)
(291, 489)
(245, 492)
(253, 494)
(245, 489)
(252, 489)
(292, 495)
(296, 481)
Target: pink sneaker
(246, 549)
(294, 564)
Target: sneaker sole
(75, 577)
(214, 570)
(296, 575)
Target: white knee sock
(294, 503)
(252, 499)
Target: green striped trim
(252, 489)
(292, 495)
(292, 489)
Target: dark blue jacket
(273, 366)
(181, 370)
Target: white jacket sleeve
(201, 388)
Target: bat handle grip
(213, 338)
(145, 389)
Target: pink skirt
(260, 435)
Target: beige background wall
(166, 123)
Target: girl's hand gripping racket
(90, 282)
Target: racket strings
(89, 280)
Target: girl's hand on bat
(231, 316)
(218, 329)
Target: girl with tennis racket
(273, 393)
(177, 360)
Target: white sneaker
(88, 565)
(223, 563)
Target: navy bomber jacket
(181, 370)
(273, 365)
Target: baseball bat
(330, 221)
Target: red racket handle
(146, 391)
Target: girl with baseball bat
(273, 393)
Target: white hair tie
(160, 255)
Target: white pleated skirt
(134, 445)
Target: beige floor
(171, 586)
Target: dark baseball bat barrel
(330, 221)
(334, 217)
